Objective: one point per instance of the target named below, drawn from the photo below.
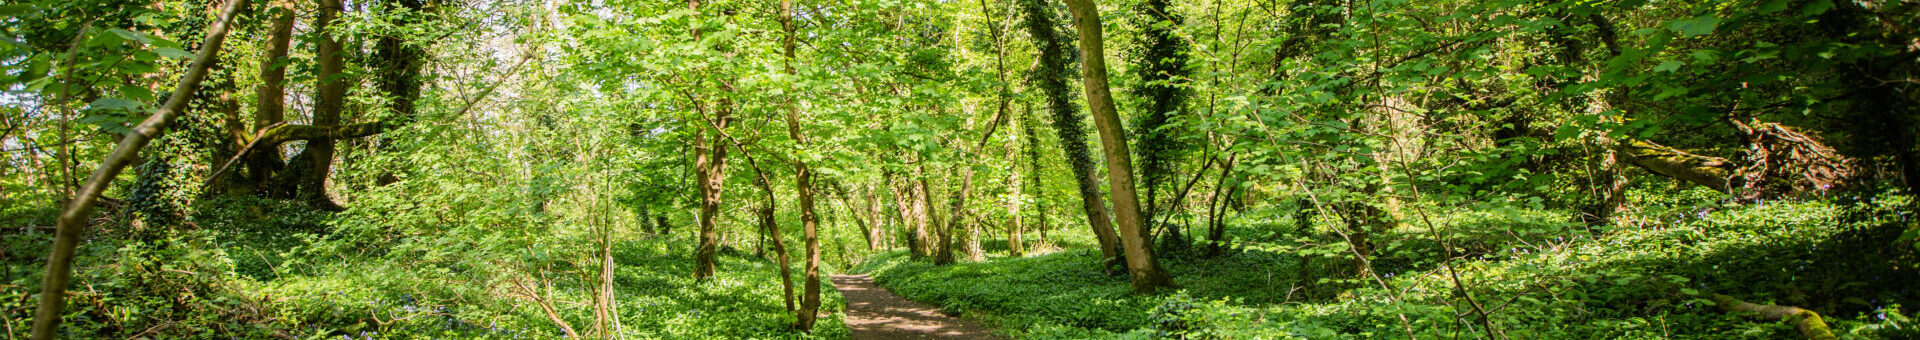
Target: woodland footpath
(1073, 169)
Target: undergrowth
(265, 269)
(1643, 280)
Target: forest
(964, 169)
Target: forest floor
(875, 313)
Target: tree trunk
(270, 101)
(1216, 228)
(972, 245)
(327, 105)
(73, 217)
(878, 233)
(1014, 246)
(772, 228)
(1810, 325)
(1147, 274)
(1050, 77)
(399, 75)
(710, 164)
(1033, 159)
(922, 214)
(1162, 62)
(944, 224)
(1712, 172)
(906, 203)
(803, 183)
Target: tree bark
(710, 164)
(772, 228)
(1711, 172)
(803, 183)
(1050, 77)
(1145, 269)
(1162, 62)
(327, 105)
(73, 217)
(924, 218)
(270, 100)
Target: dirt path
(876, 314)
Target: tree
(73, 217)
(803, 183)
(327, 105)
(1050, 76)
(710, 168)
(1160, 64)
(1145, 269)
(399, 72)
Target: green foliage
(1638, 282)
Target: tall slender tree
(1050, 76)
(710, 167)
(802, 181)
(1160, 64)
(1145, 269)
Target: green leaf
(1696, 26)
(1816, 8)
(138, 93)
(16, 9)
(113, 104)
(1668, 66)
(174, 53)
(131, 35)
(1773, 6)
(1706, 56)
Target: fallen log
(1711, 172)
(1778, 161)
(1810, 325)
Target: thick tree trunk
(1050, 77)
(270, 99)
(73, 217)
(710, 166)
(950, 221)
(1147, 275)
(1163, 62)
(327, 106)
